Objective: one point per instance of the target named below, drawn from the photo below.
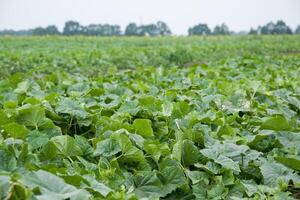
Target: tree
(268, 28)
(163, 28)
(279, 28)
(52, 30)
(93, 29)
(49, 30)
(253, 31)
(297, 31)
(221, 30)
(282, 28)
(16, 33)
(200, 29)
(116, 30)
(38, 31)
(160, 28)
(73, 28)
(131, 29)
(148, 30)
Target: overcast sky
(178, 14)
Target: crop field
(91, 118)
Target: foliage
(160, 28)
(49, 30)
(200, 29)
(271, 28)
(221, 30)
(297, 31)
(85, 120)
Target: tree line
(159, 28)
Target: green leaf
(4, 119)
(221, 159)
(132, 155)
(250, 187)
(31, 116)
(37, 139)
(276, 123)
(156, 149)
(130, 107)
(15, 130)
(54, 187)
(4, 186)
(71, 107)
(167, 109)
(97, 186)
(273, 171)
(200, 189)
(177, 150)
(292, 163)
(226, 130)
(180, 109)
(107, 147)
(197, 176)
(143, 127)
(148, 185)
(190, 153)
(173, 175)
(87, 165)
(78, 89)
(66, 145)
(217, 190)
(84, 145)
(228, 177)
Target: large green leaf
(31, 116)
(156, 150)
(37, 139)
(97, 186)
(292, 163)
(143, 127)
(222, 160)
(4, 186)
(15, 130)
(66, 145)
(190, 153)
(173, 175)
(71, 107)
(7, 160)
(107, 147)
(272, 172)
(54, 187)
(277, 123)
(148, 185)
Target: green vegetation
(159, 28)
(150, 118)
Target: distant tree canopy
(253, 31)
(221, 30)
(16, 33)
(203, 29)
(160, 28)
(49, 30)
(200, 29)
(74, 28)
(271, 28)
(297, 31)
(131, 29)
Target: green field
(150, 118)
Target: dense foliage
(159, 28)
(141, 118)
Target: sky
(178, 14)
